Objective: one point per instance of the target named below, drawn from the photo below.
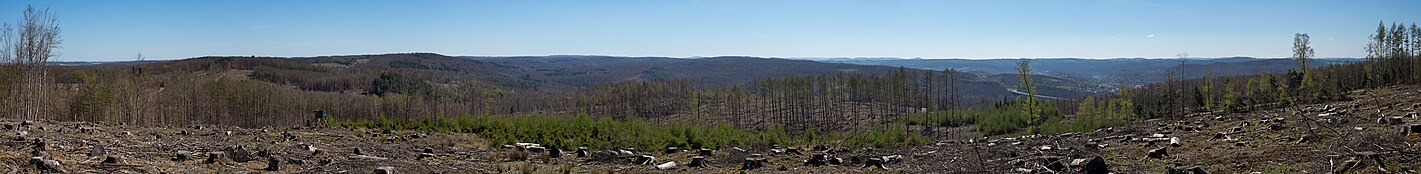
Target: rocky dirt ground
(1373, 131)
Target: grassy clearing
(604, 133)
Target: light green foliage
(1002, 118)
(604, 133)
(1230, 100)
(1033, 111)
(1207, 91)
(1092, 115)
(1308, 88)
(94, 97)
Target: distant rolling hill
(589, 70)
(718, 71)
(1132, 71)
(555, 74)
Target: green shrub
(605, 133)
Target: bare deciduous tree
(27, 47)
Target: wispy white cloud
(1152, 35)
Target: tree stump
(705, 152)
(38, 144)
(422, 156)
(672, 150)
(892, 159)
(817, 159)
(215, 157)
(97, 150)
(793, 150)
(751, 164)
(698, 161)
(385, 170)
(873, 163)
(273, 163)
(1411, 129)
(1158, 153)
(182, 155)
(554, 153)
(47, 165)
(645, 160)
(1094, 165)
(238, 154)
(113, 159)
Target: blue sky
(118, 30)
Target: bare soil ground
(1363, 134)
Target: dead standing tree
(27, 47)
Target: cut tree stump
(817, 159)
(113, 159)
(47, 165)
(216, 157)
(698, 161)
(273, 163)
(751, 164)
(182, 155)
(1158, 153)
(385, 170)
(705, 152)
(873, 163)
(645, 160)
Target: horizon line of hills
(1065, 78)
